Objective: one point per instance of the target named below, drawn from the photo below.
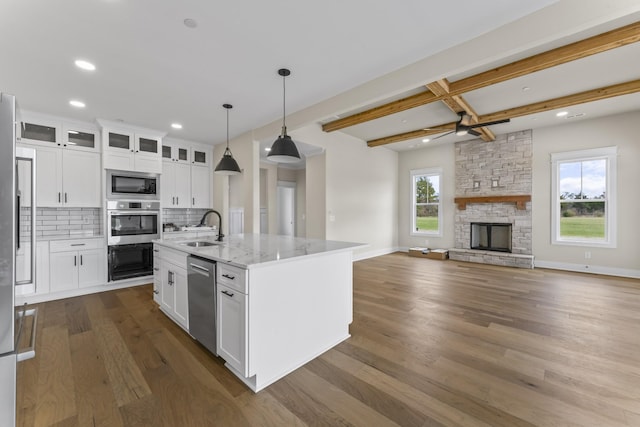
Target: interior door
(286, 209)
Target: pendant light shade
(227, 164)
(284, 150)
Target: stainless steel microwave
(123, 185)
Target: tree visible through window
(584, 190)
(426, 202)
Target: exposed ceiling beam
(525, 110)
(581, 49)
(458, 104)
(407, 103)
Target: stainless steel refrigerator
(17, 252)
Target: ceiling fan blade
(473, 132)
(444, 134)
(495, 122)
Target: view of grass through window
(427, 202)
(583, 199)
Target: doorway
(286, 211)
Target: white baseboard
(377, 252)
(594, 269)
(110, 286)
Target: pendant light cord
(227, 128)
(284, 106)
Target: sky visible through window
(586, 178)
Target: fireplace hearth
(488, 236)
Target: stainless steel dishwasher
(202, 301)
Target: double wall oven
(132, 225)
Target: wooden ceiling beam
(525, 110)
(420, 133)
(581, 49)
(561, 55)
(458, 104)
(565, 101)
(403, 104)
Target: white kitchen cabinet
(201, 155)
(175, 151)
(175, 185)
(231, 339)
(39, 129)
(131, 148)
(200, 187)
(67, 178)
(157, 277)
(76, 263)
(173, 294)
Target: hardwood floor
(434, 343)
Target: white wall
(434, 156)
(621, 131)
(316, 189)
(361, 190)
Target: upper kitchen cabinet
(201, 155)
(131, 148)
(49, 131)
(175, 151)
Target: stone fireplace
(493, 193)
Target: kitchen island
(281, 301)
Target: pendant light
(227, 165)
(284, 150)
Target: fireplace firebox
(489, 236)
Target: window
(583, 197)
(426, 212)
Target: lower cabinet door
(64, 271)
(90, 267)
(231, 331)
(167, 294)
(181, 305)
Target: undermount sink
(199, 244)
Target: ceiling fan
(465, 127)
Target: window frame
(412, 188)
(609, 154)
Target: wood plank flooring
(434, 343)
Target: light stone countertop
(255, 250)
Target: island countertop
(254, 250)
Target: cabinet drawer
(75, 245)
(232, 277)
(175, 257)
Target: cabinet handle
(59, 197)
(78, 244)
(194, 201)
(173, 200)
(75, 260)
(155, 292)
(226, 276)
(132, 151)
(65, 197)
(229, 294)
(80, 259)
(156, 269)
(177, 200)
(156, 250)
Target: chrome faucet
(204, 217)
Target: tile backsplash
(61, 222)
(181, 217)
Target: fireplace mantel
(519, 200)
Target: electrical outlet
(587, 255)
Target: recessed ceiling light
(85, 65)
(526, 88)
(190, 23)
(176, 125)
(267, 149)
(426, 140)
(562, 113)
(575, 116)
(404, 120)
(76, 103)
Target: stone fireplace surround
(497, 168)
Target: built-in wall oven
(132, 225)
(128, 185)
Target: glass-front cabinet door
(148, 145)
(79, 138)
(200, 157)
(40, 132)
(120, 141)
